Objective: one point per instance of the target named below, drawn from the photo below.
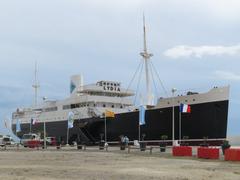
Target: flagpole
(173, 119)
(16, 128)
(141, 121)
(70, 121)
(67, 132)
(139, 132)
(105, 127)
(180, 126)
(31, 126)
(44, 132)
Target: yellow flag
(109, 113)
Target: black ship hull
(205, 120)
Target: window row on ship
(78, 105)
(186, 101)
(105, 94)
(71, 106)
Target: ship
(89, 104)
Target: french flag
(184, 108)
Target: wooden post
(151, 149)
(129, 149)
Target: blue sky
(196, 45)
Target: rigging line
(139, 65)
(154, 83)
(134, 75)
(165, 91)
(140, 76)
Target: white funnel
(76, 83)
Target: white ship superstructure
(85, 101)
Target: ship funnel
(76, 83)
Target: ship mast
(146, 57)
(36, 86)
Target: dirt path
(26, 165)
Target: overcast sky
(196, 45)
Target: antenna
(36, 86)
(146, 57)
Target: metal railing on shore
(191, 142)
(170, 141)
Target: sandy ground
(69, 163)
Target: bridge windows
(66, 107)
(73, 106)
(51, 109)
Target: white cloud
(227, 75)
(185, 51)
